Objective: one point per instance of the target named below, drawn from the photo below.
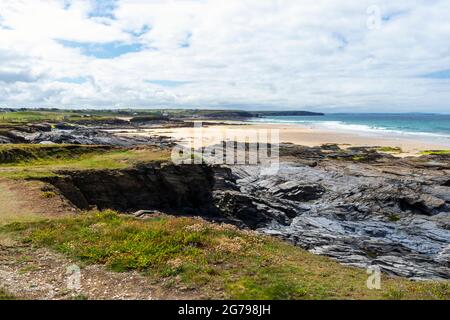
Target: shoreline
(296, 134)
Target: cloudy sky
(325, 55)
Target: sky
(322, 55)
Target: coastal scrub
(214, 260)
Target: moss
(358, 158)
(393, 218)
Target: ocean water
(430, 126)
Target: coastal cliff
(358, 206)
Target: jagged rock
(89, 136)
(141, 213)
(184, 189)
(361, 214)
(293, 191)
(241, 209)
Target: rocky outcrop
(394, 213)
(84, 132)
(89, 136)
(292, 190)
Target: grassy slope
(217, 261)
(22, 153)
(43, 160)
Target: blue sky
(107, 50)
(442, 74)
(332, 56)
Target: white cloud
(281, 54)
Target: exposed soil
(21, 199)
(30, 273)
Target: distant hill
(286, 113)
(241, 114)
(138, 115)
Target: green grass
(216, 261)
(38, 161)
(30, 116)
(26, 153)
(359, 158)
(435, 152)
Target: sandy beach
(301, 135)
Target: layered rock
(394, 213)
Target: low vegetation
(214, 261)
(36, 161)
(30, 116)
(53, 115)
(435, 152)
(26, 153)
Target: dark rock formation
(87, 132)
(184, 189)
(292, 190)
(391, 212)
(90, 136)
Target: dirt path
(30, 273)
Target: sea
(423, 126)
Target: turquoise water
(415, 124)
